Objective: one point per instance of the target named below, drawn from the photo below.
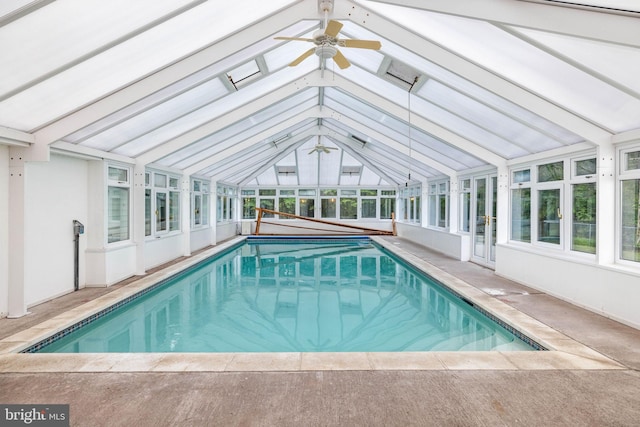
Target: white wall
(453, 244)
(200, 238)
(607, 290)
(4, 230)
(56, 194)
(164, 249)
(226, 231)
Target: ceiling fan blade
(341, 60)
(325, 150)
(302, 57)
(333, 28)
(312, 151)
(300, 39)
(331, 148)
(362, 44)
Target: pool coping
(563, 352)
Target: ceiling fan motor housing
(325, 6)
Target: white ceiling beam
(586, 23)
(91, 152)
(172, 73)
(9, 136)
(476, 74)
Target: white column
(138, 220)
(213, 211)
(502, 214)
(606, 198)
(17, 306)
(185, 214)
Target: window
(551, 172)
(583, 222)
(248, 204)
(307, 202)
(630, 189)
(348, 204)
(267, 201)
(630, 205)
(368, 203)
(287, 203)
(465, 205)
(387, 203)
(553, 204)
(438, 204)
(521, 206)
(118, 204)
(162, 203)
(226, 199)
(199, 203)
(174, 204)
(583, 201)
(328, 207)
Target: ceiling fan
(327, 41)
(321, 148)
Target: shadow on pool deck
(433, 397)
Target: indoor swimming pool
(292, 295)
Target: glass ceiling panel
(104, 73)
(524, 64)
(398, 130)
(448, 120)
(617, 62)
(62, 37)
(487, 118)
(244, 128)
(158, 116)
(211, 111)
(452, 80)
(231, 136)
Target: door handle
(559, 214)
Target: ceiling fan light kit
(327, 41)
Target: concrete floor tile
(335, 361)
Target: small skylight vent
(244, 74)
(351, 170)
(286, 170)
(401, 74)
(358, 139)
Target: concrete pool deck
(590, 378)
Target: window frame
(119, 184)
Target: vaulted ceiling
(203, 88)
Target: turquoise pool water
(285, 295)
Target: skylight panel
(401, 74)
(244, 74)
(286, 170)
